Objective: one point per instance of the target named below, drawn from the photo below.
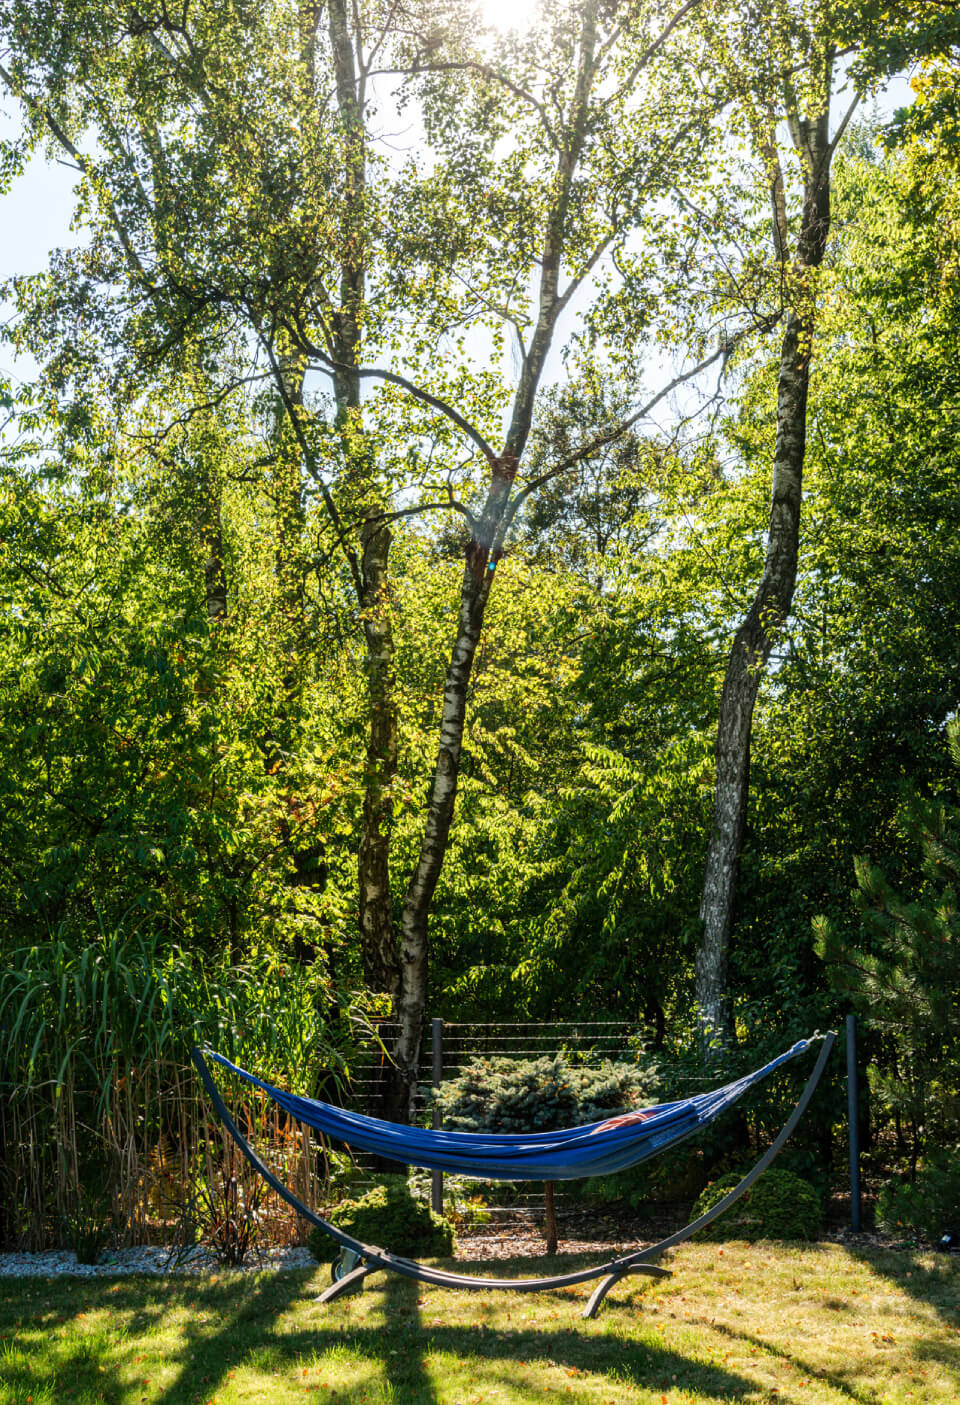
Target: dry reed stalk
(137, 1152)
(95, 1050)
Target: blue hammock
(597, 1149)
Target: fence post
(436, 1035)
(853, 1121)
(3, 1133)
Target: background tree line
(501, 575)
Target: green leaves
(901, 970)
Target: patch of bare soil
(580, 1232)
(589, 1232)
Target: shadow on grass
(863, 1395)
(506, 1352)
(496, 1347)
(935, 1283)
(248, 1329)
(404, 1365)
(394, 1335)
(218, 1317)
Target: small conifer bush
(541, 1095)
(504, 1095)
(779, 1205)
(390, 1217)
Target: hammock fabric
(597, 1149)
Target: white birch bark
(478, 574)
(771, 604)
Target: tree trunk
(771, 605)
(289, 520)
(751, 649)
(550, 1217)
(381, 966)
(214, 569)
(474, 592)
(482, 555)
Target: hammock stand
(359, 1260)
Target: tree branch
(86, 167)
(308, 460)
(608, 436)
(657, 44)
(330, 366)
(485, 70)
(842, 127)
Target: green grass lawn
(737, 1322)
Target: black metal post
(853, 1121)
(436, 1037)
(3, 1137)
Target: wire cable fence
(460, 1046)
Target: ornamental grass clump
(87, 1231)
(100, 1092)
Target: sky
(34, 218)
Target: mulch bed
(587, 1232)
(580, 1232)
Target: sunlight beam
(508, 15)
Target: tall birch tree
(801, 67)
(241, 198)
(785, 114)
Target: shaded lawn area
(738, 1322)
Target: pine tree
(904, 976)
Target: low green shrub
(540, 1095)
(391, 1218)
(779, 1206)
(928, 1206)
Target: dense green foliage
(779, 1206)
(540, 1095)
(927, 1205)
(149, 774)
(903, 973)
(391, 1217)
(240, 566)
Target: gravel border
(518, 1239)
(150, 1259)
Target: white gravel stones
(146, 1259)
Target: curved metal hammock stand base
(369, 1258)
